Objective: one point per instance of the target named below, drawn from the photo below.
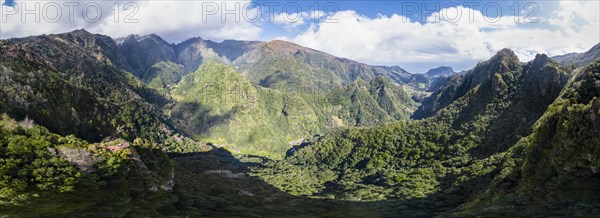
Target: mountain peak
(155, 38)
(188, 42)
(285, 47)
(506, 53)
(505, 60)
(138, 38)
(80, 32)
(281, 44)
(280, 41)
(541, 58)
(440, 71)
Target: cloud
(456, 35)
(174, 20)
(292, 20)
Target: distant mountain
(579, 59)
(440, 71)
(436, 78)
(261, 61)
(270, 64)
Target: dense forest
(95, 126)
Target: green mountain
(66, 83)
(222, 106)
(557, 165)
(279, 61)
(265, 63)
(494, 75)
(94, 126)
(260, 97)
(143, 52)
(143, 74)
(447, 158)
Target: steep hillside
(366, 103)
(299, 92)
(222, 106)
(138, 127)
(44, 174)
(447, 157)
(128, 84)
(29, 87)
(66, 83)
(484, 74)
(287, 63)
(143, 52)
(557, 165)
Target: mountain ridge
(579, 59)
(91, 125)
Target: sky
(415, 35)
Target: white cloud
(174, 20)
(292, 20)
(454, 35)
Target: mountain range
(579, 59)
(137, 126)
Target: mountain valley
(136, 126)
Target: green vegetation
(219, 105)
(467, 145)
(140, 127)
(557, 164)
(37, 164)
(93, 106)
(27, 165)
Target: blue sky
(9, 2)
(415, 10)
(534, 22)
(416, 35)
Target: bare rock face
(83, 159)
(594, 110)
(595, 104)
